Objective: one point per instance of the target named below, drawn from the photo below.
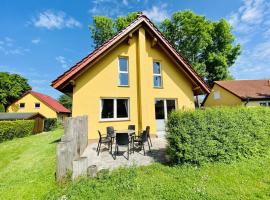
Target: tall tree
(12, 86)
(208, 46)
(66, 101)
(103, 28)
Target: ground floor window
(265, 103)
(163, 107)
(114, 109)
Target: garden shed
(37, 117)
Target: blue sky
(41, 39)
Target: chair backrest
(131, 127)
(99, 134)
(147, 130)
(143, 136)
(110, 131)
(122, 138)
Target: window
(37, 105)
(265, 103)
(123, 71)
(21, 105)
(157, 74)
(164, 107)
(114, 109)
(216, 95)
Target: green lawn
(27, 167)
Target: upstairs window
(22, 105)
(157, 74)
(123, 71)
(114, 109)
(37, 105)
(216, 95)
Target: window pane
(170, 106)
(37, 105)
(107, 108)
(157, 81)
(263, 104)
(22, 105)
(159, 109)
(157, 68)
(123, 64)
(122, 108)
(123, 78)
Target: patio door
(163, 107)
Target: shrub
(15, 129)
(2, 108)
(50, 124)
(217, 134)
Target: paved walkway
(106, 161)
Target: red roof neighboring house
(66, 78)
(247, 89)
(54, 104)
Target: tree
(66, 101)
(12, 86)
(207, 45)
(103, 28)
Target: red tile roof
(63, 80)
(51, 102)
(247, 89)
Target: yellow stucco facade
(29, 101)
(221, 97)
(101, 81)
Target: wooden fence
(71, 147)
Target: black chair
(122, 139)
(104, 140)
(141, 140)
(148, 134)
(110, 133)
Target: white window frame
(216, 95)
(37, 107)
(114, 109)
(165, 106)
(123, 72)
(159, 75)
(20, 106)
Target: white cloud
(157, 13)
(62, 60)
(35, 41)
(55, 20)
(8, 47)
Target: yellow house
(32, 101)
(135, 78)
(239, 92)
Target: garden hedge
(218, 134)
(15, 129)
(50, 124)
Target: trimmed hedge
(15, 129)
(50, 124)
(218, 134)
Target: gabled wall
(226, 98)
(30, 101)
(101, 80)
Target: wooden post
(79, 167)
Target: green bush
(50, 124)
(218, 134)
(15, 129)
(2, 108)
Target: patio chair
(148, 134)
(104, 140)
(141, 140)
(110, 133)
(122, 139)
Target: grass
(27, 166)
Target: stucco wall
(226, 98)
(101, 80)
(30, 101)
